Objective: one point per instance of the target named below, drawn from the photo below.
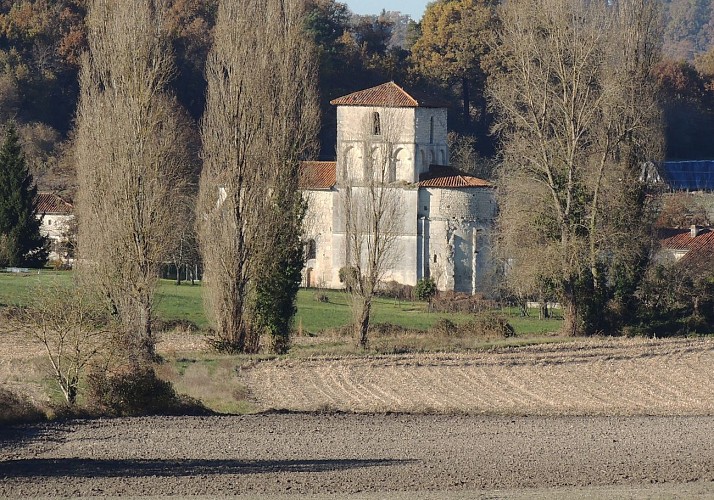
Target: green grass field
(185, 303)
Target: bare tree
(183, 253)
(73, 328)
(261, 117)
(372, 212)
(578, 116)
(131, 161)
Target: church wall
(403, 266)
(457, 249)
(431, 144)
(354, 122)
(355, 141)
(317, 226)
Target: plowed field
(597, 377)
(336, 456)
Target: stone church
(445, 217)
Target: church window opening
(434, 258)
(431, 130)
(376, 125)
(310, 249)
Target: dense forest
(446, 52)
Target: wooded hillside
(42, 42)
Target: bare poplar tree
(130, 159)
(372, 213)
(578, 116)
(261, 118)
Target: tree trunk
(544, 312)
(571, 313)
(466, 99)
(141, 349)
(363, 323)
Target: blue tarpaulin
(688, 175)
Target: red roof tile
(698, 248)
(681, 239)
(318, 174)
(440, 176)
(50, 203)
(701, 258)
(388, 95)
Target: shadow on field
(86, 467)
(15, 435)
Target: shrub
(444, 328)
(73, 327)
(11, 313)
(349, 276)
(425, 289)
(15, 408)
(387, 330)
(136, 393)
(453, 302)
(395, 290)
(322, 297)
(185, 325)
(488, 326)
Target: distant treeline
(42, 42)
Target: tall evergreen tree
(21, 243)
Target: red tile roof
(50, 203)
(697, 248)
(388, 95)
(440, 176)
(701, 258)
(318, 174)
(681, 239)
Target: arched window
(310, 249)
(431, 130)
(376, 126)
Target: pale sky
(415, 8)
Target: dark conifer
(21, 243)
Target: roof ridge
(387, 94)
(409, 96)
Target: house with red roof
(693, 247)
(57, 218)
(445, 218)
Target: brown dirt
(608, 418)
(596, 377)
(369, 456)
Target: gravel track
(363, 456)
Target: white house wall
(55, 227)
